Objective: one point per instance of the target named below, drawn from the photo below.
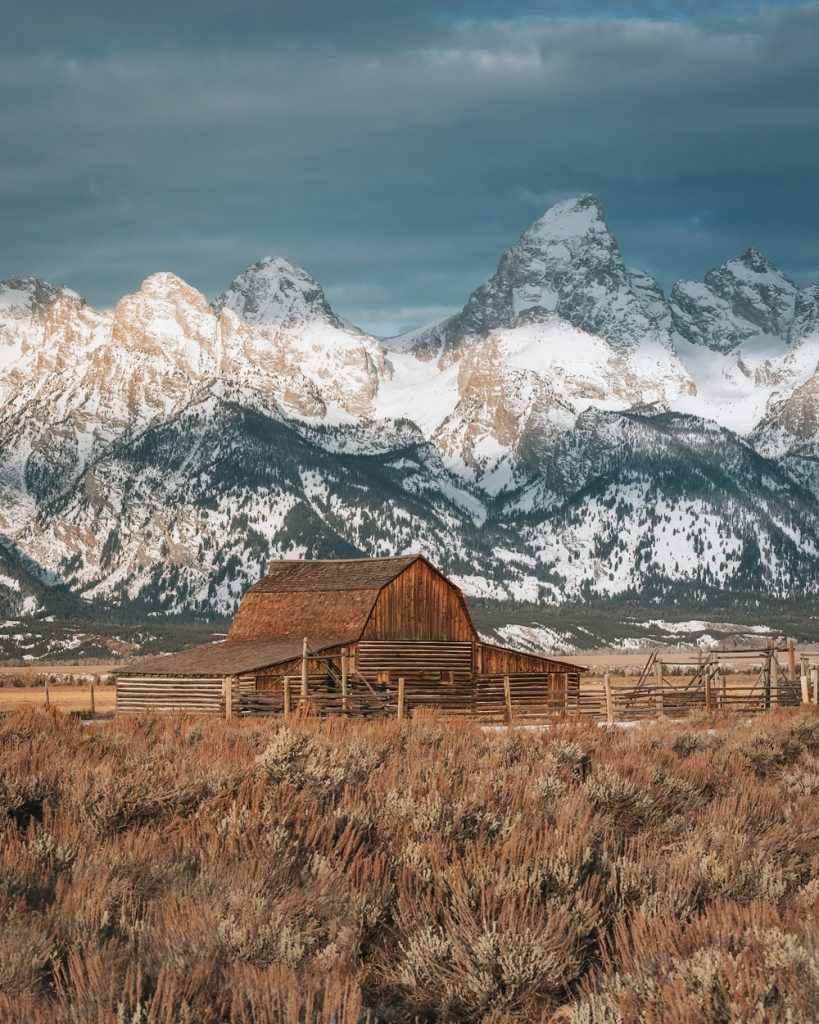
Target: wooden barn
(354, 636)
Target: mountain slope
(185, 515)
(569, 434)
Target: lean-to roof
(229, 657)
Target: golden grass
(179, 869)
(64, 698)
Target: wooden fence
(202, 694)
(749, 682)
(518, 696)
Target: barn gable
(420, 604)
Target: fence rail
(675, 687)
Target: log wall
(436, 660)
(494, 660)
(173, 693)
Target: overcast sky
(395, 149)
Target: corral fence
(747, 681)
(521, 696)
(320, 688)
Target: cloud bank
(395, 154)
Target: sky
(396, 149)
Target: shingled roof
(229, 657)
(329, 599)
(319, 575)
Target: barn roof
(229, 657)
(316, 597)
(299, 576)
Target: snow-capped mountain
(744, 300)
(567, 266)
(569, 433)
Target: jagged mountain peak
(274, 292)
(567, 266)
(165, 284)
(31, 294)
(752, 267)
(573, 217)
(756, 261)
(744, 299)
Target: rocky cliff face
(744, 300)
(567, 264)
(570, 432)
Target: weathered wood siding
(326, 665)
(502, 660)
(420, 604)
(415, 659)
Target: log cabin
(352, 636)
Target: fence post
(707, 680)
(805, 687)
(609, 697)
(227, 690)
(400, 698)
(93, 701)
(345, 675)
(304, 669)
(658, 680)
(776, 675)
(792, 659)
(507, 696)
(286, 692)
(46, 691)
(815, 673)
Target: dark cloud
(396, 154)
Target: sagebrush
(186, 870)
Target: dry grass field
(30, 673)
(68, 687)
(180, 869)
(64, 698)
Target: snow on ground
(535, 638)
(699, 626)
(734, 388)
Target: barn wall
(501, 659)
(270, 679)
(436, 661)
(419, 604)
